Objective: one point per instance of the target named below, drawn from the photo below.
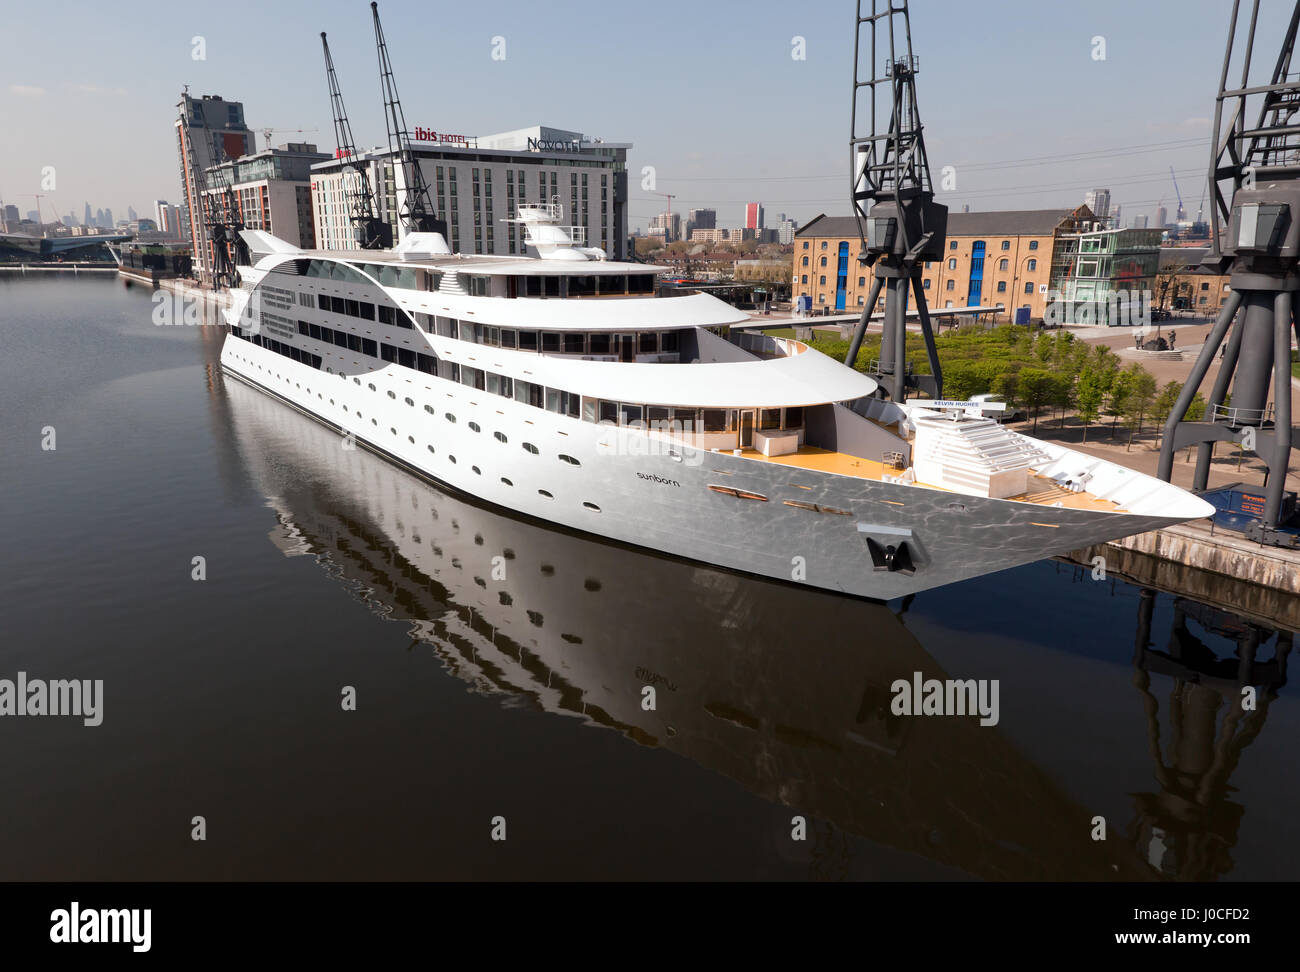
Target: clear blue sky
(706, 91)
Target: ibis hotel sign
(440, 138)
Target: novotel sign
(557, 144)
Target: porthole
(506, 481)
(392, 396)
(570, 460)
(371, 387)
(411, 439)
(529, 447)
(392, 430)
(474, 427)
(411, 402)
(452, 458)
(542, 492)
(429, 409)
(375, 423)
(477, 470)
(592, 506)
(449, 417)
(430, 448)
(500, 436)
(357, 381)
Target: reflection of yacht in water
(580, 627)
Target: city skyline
(768, 128)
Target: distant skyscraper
(754, 216)
(34, 215)
(130, 213)
(703, 218)
(99, 218)
(785, 230)
(11, 214)
(1141, 221)
(1162, 217)
(108, 218)
(1098, 200)
(87, 219)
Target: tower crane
(1182, 215)
(369, 232)
(267, 132)
(416, 209)
(668, 225)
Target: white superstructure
(560, 387)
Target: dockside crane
(416, 210)
(900, 226)
(1260, 252)
(369, 231)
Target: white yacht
(559, 386)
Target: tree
(1139, 400)
(1116, 395)
(1036, 387)
(1164, 404)
(1093, 385)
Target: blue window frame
(842, 276)
(976, 273)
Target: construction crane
(1261, 255)
(899, 223)
(1182, 215)
(668, 224)
(369, 232)
(267, 132)
(416, 210)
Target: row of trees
(1047, 370)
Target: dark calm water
(520, 696)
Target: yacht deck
(1042, 490)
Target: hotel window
(952, 244)
(952, 264)
(823, 279)
(925, 285)
(1031, 265)
(1033, 244)
(950, 286)
(1002, 286)
(823, 261)
(1003, 264)
(804, 279)
(805, 244)
(1006, 244)
(805, 261)
(1029, 287)
(862, 281)
(823, 244)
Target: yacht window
(353, 308)
(657, 416)
(715, 420)
(647, 342)
(598, 343)
(367, 310)
(427, 363)
(668, 341)
(388, 352)
(583, 285)
(369, 347)
(589, 406)
(550, 342)
(609, 411)
(685, 418)
(527, 340)
(575, 342)
(492, 337)
(406, 357)
(385, 314)
(507, 337)
(446, 326)
(769, 418)
(552, 399)
(629, 414)
(794, 418)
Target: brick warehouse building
(992, 258)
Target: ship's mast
(370, 232)
(900, 226)
(416, 209)
(1261, 254)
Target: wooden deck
(1042, 491)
